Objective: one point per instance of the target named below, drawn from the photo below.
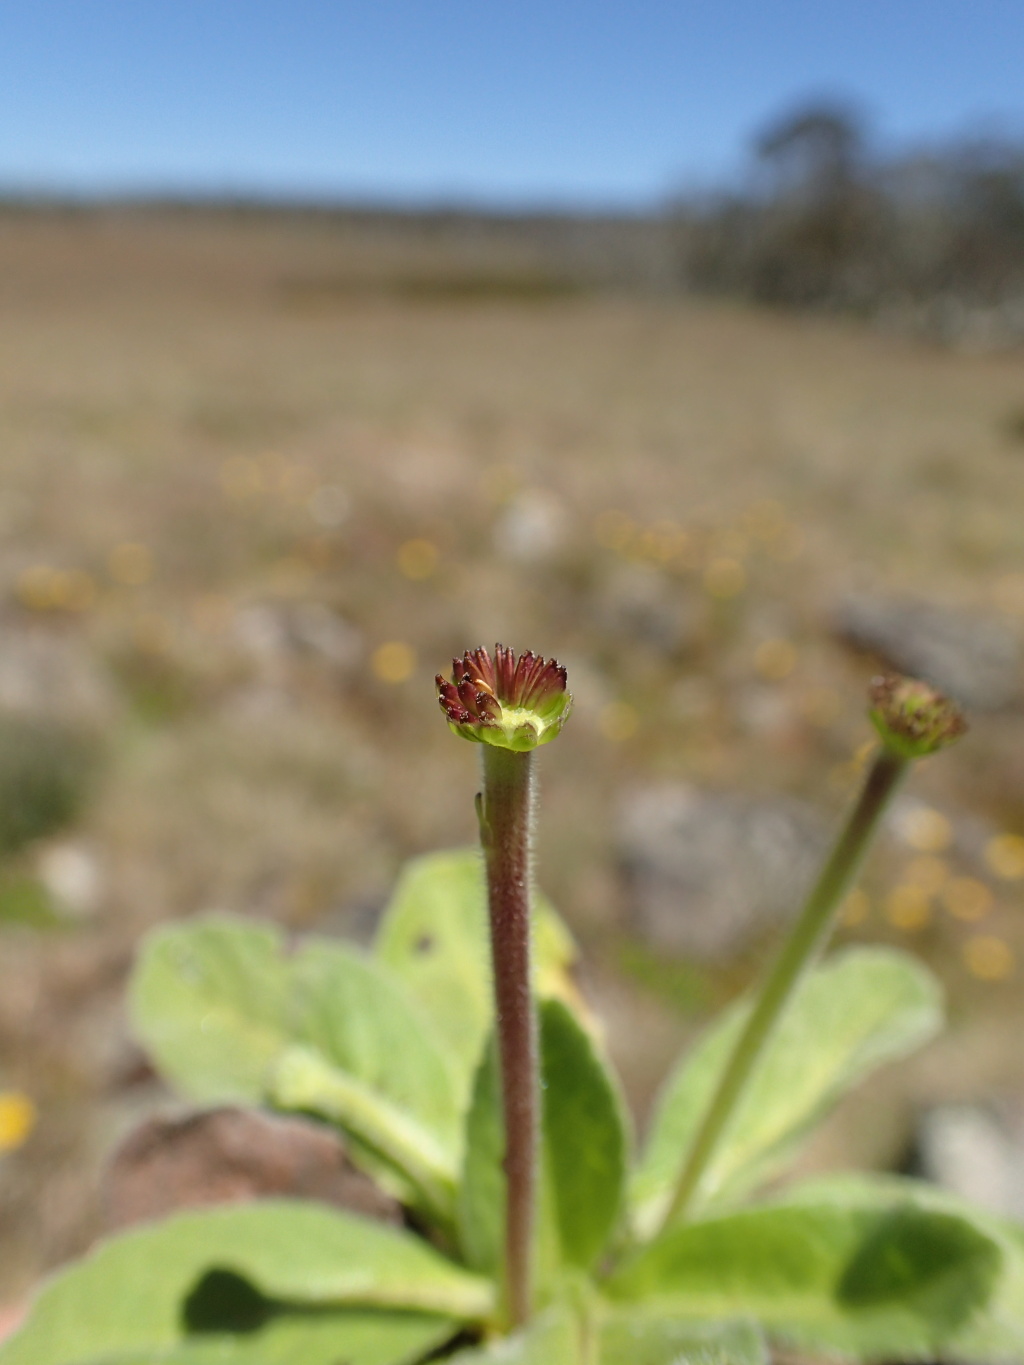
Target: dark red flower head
(912, 717)
(509, 702)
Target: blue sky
(560, 102)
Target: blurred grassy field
(263, 475)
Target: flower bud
(913, 718)
(508, 702)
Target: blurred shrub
(25, 901)
(933, 239)
(439, 286)
(45, 771)
(1013, 426)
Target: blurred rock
(220, 1156)
(330, 505)
(531, 529)
(641, 604)
(705, 871)
(976, 659)
(52, 674)
(274, 636)
(765, 711)
(317, 630)
(975, 1153)
(71, 873)
(692, 698)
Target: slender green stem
(505, 833)
(805, 942)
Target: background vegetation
(265, 471)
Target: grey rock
(975, 658)
(71, 871)
(275, 636)
(704, 871)
(330, 505)
(531, 529)
(975, 1152)
(323, 633)
(52, 674)
(640, 604)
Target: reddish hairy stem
(505, 831)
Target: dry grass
(267, 454)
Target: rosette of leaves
(395, 1048)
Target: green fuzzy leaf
(480, 1207)
(135, 1293)
(223, 1011)
(434, 935)
(210, 1003)
(584, 1147)
(561, 1337)
(481, 1195)
(586, 1142)
(860, 1009)
(351, 1010)
(642, 1339)
(354, 1337)
(553, 1338)
(390, 1140)
(996, 1335)
(863, 1278)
